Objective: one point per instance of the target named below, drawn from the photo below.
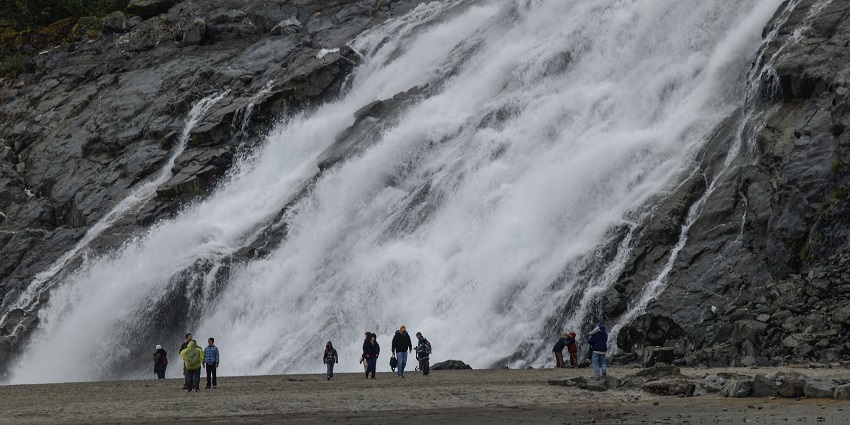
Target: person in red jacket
(572, 349)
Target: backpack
(164, 361)
(393, 362)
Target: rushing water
(549, 125)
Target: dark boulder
(149, 8)
(653, 355)
(764, 387)
(792, 388)
(451, 365)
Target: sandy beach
(446, 397)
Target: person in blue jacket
(599, 346)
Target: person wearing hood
(572, 349)
(160, 362)
(598, 346)
(558, 349)
(330, 358)
(371, 351)
(193, 357)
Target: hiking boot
(207, 387)
(188, 391)
(214, 387)
(197, 391)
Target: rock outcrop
(764, 277)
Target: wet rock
(653, 355)
(450, 365)
(149, 8)
(670, 387)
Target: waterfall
(545, 131)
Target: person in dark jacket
(371, 350)
(363, 359)
(330, 358)
(160, 362)
(558, 349)
(572, 348)
(423, 354)
(185, 375)
(401, 347)
(599, 346)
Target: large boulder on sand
(451, 365)
(737, 388)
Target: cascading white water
(550, 124)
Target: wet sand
(447, 397)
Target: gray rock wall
(764, 276)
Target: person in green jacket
(193, 356)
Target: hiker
(423, 354)
(572, 348)
(160, 362)
(193, 357)
(558, 349)
(330, 357)
(401, 347)
(599, 346)
(371, 350)
(185, 375)
(362, 357)
(211, 362)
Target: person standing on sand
(211, 362)
(160, 362)
(401, 347)
(573, 350)
(423, 354)
(599, 346)
(362, 358)
(558, 349)
(330, 358)
(193, 357)
(371, 350)
(185, 375)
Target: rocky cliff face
(103, 114)
(763, 278)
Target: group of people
(194, 358)
(598, 341)
(401, 347)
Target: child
(211, 361)
(423, 354)
(572, 349)
(329, 358)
